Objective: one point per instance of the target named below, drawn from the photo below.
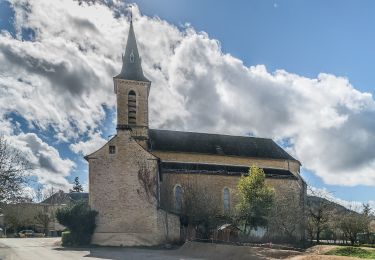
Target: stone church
(140, 179)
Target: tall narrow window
(132, 108)
(178, 198)
(226, 198)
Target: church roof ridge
(206, 133)
(206, 143)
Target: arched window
(178, 198)
(132, 108)
(226, 199)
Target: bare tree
(197, 206)
(19, 215)
(367, 213)
(52, 199)
(319, 210)
(352, 224)
(13, 167)
(12, 218)
(372, 231)
(287, 216)
(43, 217)
(200, 206)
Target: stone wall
(211, 190)
(214, 185)
(128, 213)
(141, 89)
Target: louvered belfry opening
(132, 108)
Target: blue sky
(304, 38)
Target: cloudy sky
(300, 73)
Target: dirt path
(317, 252)
(49, 248)
(231, 252)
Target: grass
(352, 251)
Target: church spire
(131, 62)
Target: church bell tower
(132, 89)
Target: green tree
(77, 187)
(80, 220)
(256, 200)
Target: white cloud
(62, 78)
(85, 186)
(94, 142)
(48, 166)
(28, 192)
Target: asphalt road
(48, 249)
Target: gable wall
(127, 215)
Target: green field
(353, 251)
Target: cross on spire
(131, 13)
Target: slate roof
(215, 169)
(131, 62)
(215, 144)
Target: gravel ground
(49, 248)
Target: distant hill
(61, 197)
(337, 208)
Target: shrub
(66, 238)
(80, 220)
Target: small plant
(353, 252)
(80, 220)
